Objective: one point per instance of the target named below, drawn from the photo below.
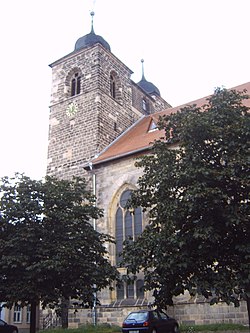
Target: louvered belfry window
(76, 85)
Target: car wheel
(176, 329)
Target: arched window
(130, 290)
(76, 84)
(119, 233)
(127, 225)
(112, 86)
(139, 289)
(120, 291)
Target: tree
(195, 188)
(49, 251)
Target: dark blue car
(149, 321)
(6, 328)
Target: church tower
(93, 100)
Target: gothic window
(139, 289)
(127, 225)
(112, 86)
(76, 84)
(120, 291)
(131, 290)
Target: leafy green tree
(195, 188)
(49, 251)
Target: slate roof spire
(91, 38)
(147, 86)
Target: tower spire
(91, 38)
(149, 87)
(142, 67)
(92, 13)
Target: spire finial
(92, 13)
(142, 67)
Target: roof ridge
(138, 138)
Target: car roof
(140, 311)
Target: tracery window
(139, 289)
(132, 289)
(76, 84)
(127, 224)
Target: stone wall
(189, 314)
(154, 104)
(111, 180)
(75, 139)
(100, 118)
(204, 313)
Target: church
(100, 122)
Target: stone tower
(93, 100)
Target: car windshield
(137, 316)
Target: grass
(87, 329)
(213, 328)
(183, 329)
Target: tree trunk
(248, 310)
(65, 309)
(33, 306)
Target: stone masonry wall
(154, 104)
(75, 139)
(100, 118)
(204, 313)
(111, 180)
(189, 314)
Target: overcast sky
(189, 47)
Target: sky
(189, 48)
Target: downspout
(94, 310)
(94, 193)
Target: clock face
(71, 109)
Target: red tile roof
(138, 138)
